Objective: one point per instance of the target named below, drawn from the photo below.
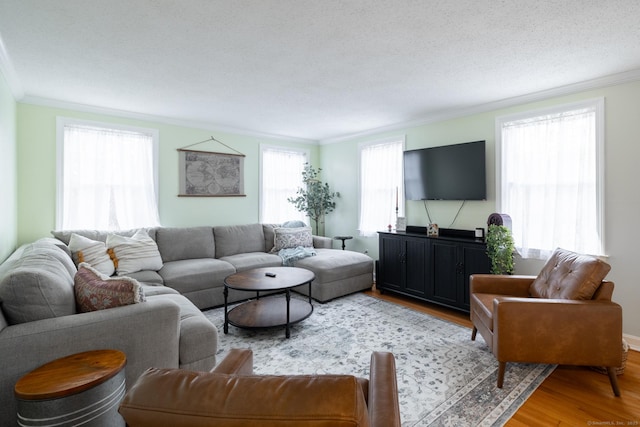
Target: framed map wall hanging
(209, 174)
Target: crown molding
(610, 80)
(9, 73)
(46, 102)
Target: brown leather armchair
(231, 395)
(563, 316)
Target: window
(107, 178)
(381, 185)
(550, 178)
(281, 176)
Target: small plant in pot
(500, 249)
(316, 199)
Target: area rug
(444, 378)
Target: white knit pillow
(136, 253)
(92, 252)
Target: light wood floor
(570, 396)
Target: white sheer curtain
(381, 185)
(108, 179)
(280, 179)
(550, 182)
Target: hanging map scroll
(209, 174)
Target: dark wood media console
(433, 269)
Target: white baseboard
(633, 341)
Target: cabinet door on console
(417, 266)
(391, 255)
(444, 288)
(404, 264)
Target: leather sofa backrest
(179, 398)
(568, 275)
(604, 291)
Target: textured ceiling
(312, 69)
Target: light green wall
(36, 135)
(8, 173)
(37, 172)
(622, 175)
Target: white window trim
(61, 122)
(599, 103)
(386, 140)
(304, 151)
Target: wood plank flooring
(570, 396)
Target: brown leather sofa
(231, 395)
(563, 316)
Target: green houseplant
(500, 249)
(316, 198)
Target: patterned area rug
(444, 378)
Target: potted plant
(316, 198)
(500, 249)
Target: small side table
(343, 238)
(81, 389)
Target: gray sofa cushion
(55, 250)
(253, 260)
(188, 275)
(147, 276)
(269, 235)
(334, 264)
(198, 336)
(238, 239)
(152, 290)
(36, 283)
(47, 241)
(176, 243)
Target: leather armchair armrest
(559, 331)
(513, 285)
(238, 361)
(384, 408)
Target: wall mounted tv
(450, 172)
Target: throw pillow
(95, 291)
(568, 275)
(286, 238)
(92, 252)
(135, 253)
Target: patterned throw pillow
(92, 252)
(135, 253)
(95, 291)
(286, 238)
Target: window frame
(598, 104)
(401, 200)
(61, 122)
(306, 152)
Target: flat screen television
(449, 172)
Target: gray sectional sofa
(39, 321)
(197, 259)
